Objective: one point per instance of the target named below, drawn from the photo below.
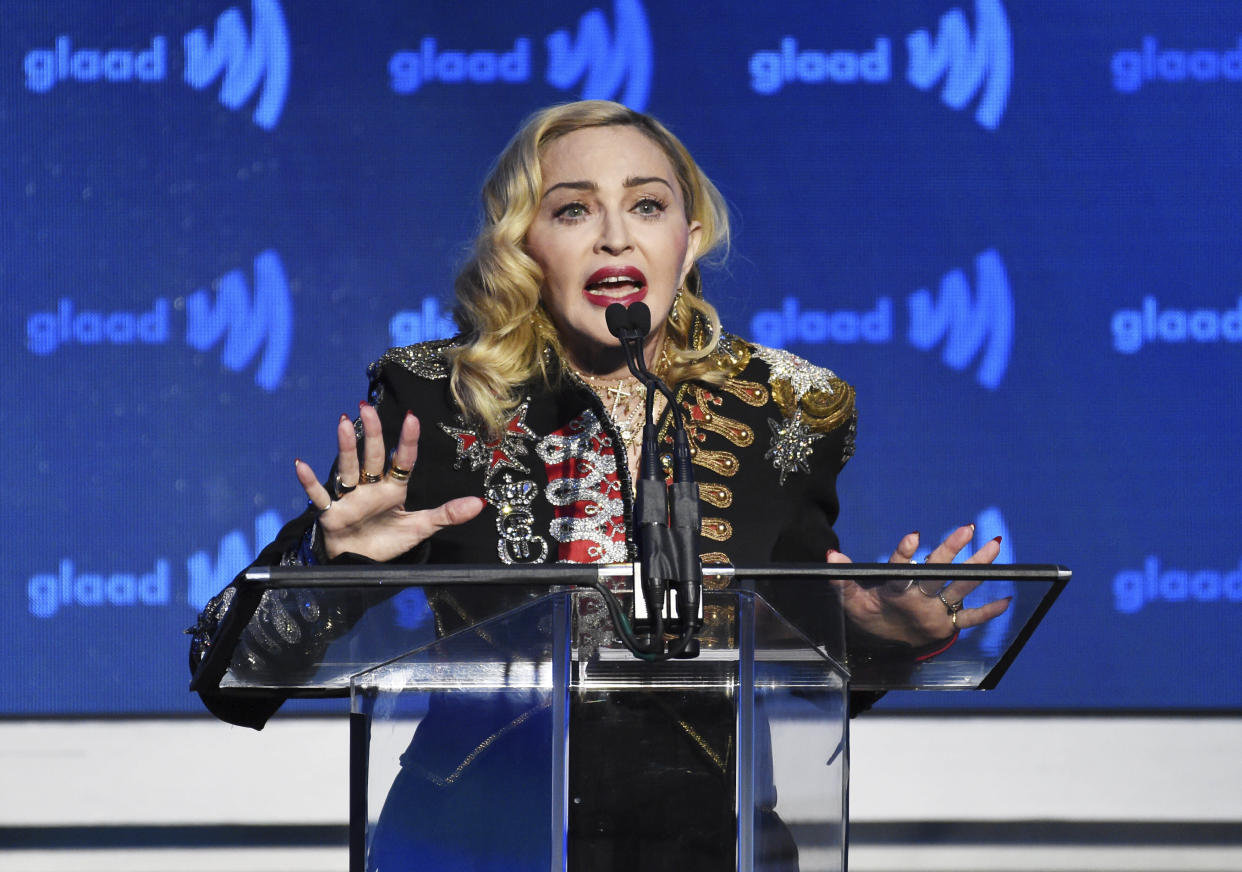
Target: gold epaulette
(824, 399)
(732, 355)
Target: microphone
(627, 324)
(679, 506)
(651, 501)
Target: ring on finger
(952, 607)
(323, 509)
(953, 618)
(365, 477)
(339, 488)
(909, 581)
(396, 473)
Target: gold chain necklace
(627, 398)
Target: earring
(673, 317)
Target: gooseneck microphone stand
(667, 520)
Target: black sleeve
(290, 629)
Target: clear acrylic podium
(535, 740)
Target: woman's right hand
(370, 519)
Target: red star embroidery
(495, 454)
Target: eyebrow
(631, 182)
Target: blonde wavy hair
(509, 338)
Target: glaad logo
(611, 64)
(207, 578)
(409, 326)
(1152, 64)
(968, 68)
(601, 63)
(45, 67)
(47, 594)
(984, 321)
(979, 66)
(1134, 328)
(261, 63)
(989, 524)
(264, 320)
(47, 331)
(1133, 589)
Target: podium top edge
(585, 575)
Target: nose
(614, 234)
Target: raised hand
(366, 515)
(914, 614)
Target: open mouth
(616, 285)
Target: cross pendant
(617, 393)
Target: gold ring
(953, 618)
(365, 477)
(339, 488)
(396, 473)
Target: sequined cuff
(290, 630)
(309, 551)
(205, 627)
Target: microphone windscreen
(640, 318)
(618, 319)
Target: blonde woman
(517, 443)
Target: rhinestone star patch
(802, 375)
(496, 454)
(791, 445)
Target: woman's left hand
(903, 612)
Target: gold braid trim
(715, 494)
(749, 392)
(716, 558)
(720, 462)
(715, 581)
(717, 529)
(702, 416)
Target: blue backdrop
(1009, 225)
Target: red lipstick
(615, 284)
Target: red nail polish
(916, 533)
(296, 461)
(343, 418)
(996, 539)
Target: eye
(650, 206)
(571, 212)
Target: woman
(516, 443)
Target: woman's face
(611, 228)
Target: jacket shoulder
(817, 396)
(427, 360)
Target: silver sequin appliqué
(515, 521)
(602, 505)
